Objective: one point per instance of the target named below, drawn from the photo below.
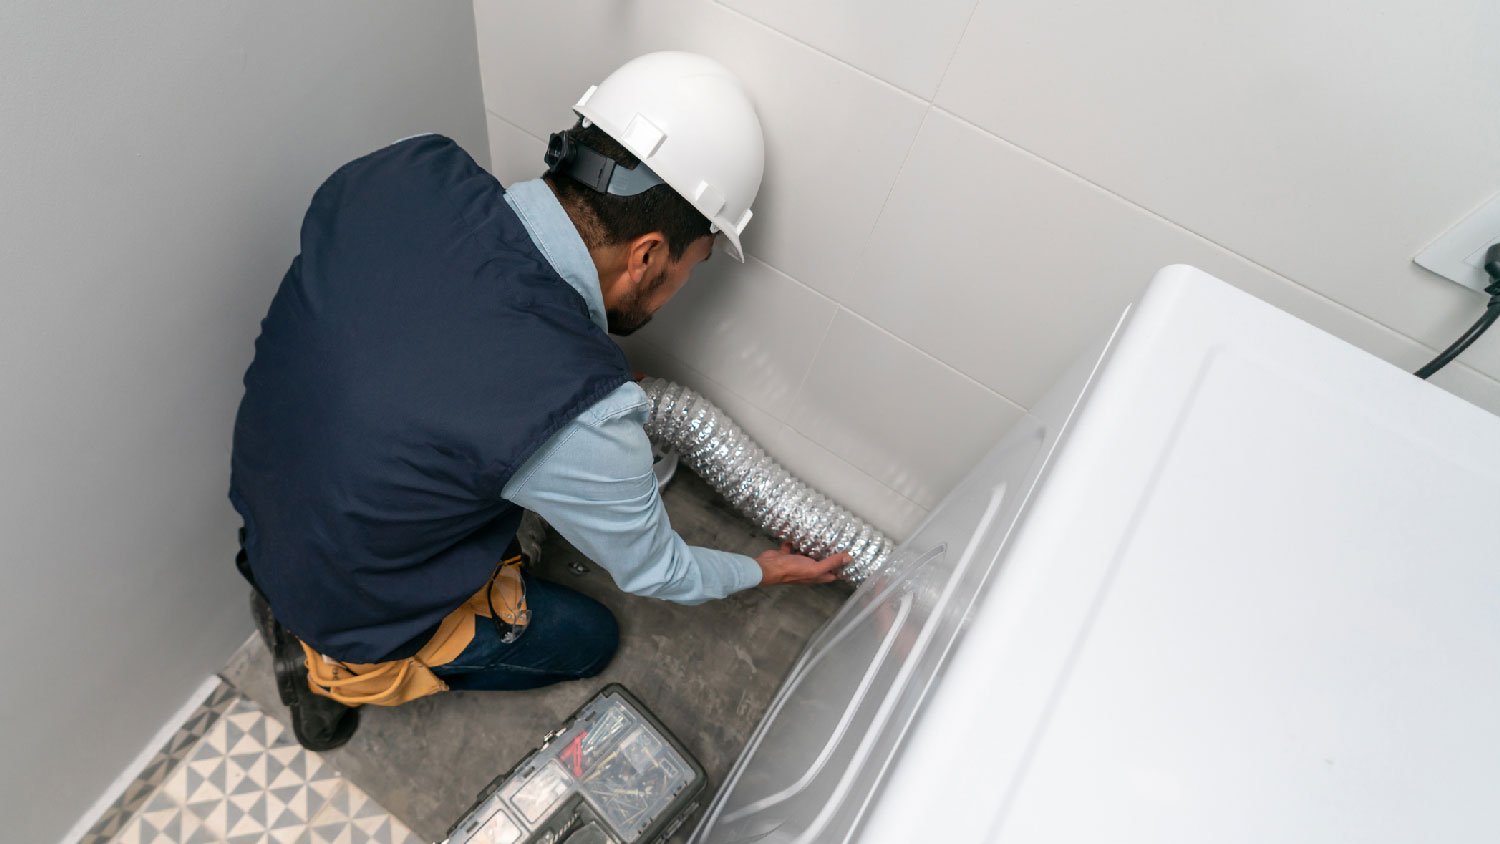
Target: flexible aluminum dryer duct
(724, 455)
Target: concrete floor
(708, 672)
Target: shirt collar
(555, 235)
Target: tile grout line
(512, 124)
(789, 277)
(657, 347)
(812, 361)
(905, 158)
(944, 364)
(953, 56)
(874, 480)
(1198, 236)
(821, 52)
(782, 423)
(864, 245)
(797, 397)
(939, 361)
(842, 306)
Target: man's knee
(599, 636)
(578, 634)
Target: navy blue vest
(418, 351)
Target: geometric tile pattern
(247, 781)
(351, 817)
(167, 757)
(162, 821)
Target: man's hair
(605, 219)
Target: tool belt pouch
(399, 681)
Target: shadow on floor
(708, 672)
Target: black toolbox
(611, 774)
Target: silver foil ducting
(716, 448)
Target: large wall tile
(835, 138)
(746, 326)
(515, 156)
(906, 44)
(649, 359)
(1001, 265)
(843, 482)
(829, 474)
(901, 416)
(1004, 266)
(1327, 141)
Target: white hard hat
(688, 119)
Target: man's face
(661, 281)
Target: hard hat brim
(732, 246)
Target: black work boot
(265, 623)
(319, 723)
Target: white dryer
(1234, 580)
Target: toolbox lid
(611, 774)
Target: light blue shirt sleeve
(593, 482)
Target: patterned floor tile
(351, 817)
(163, 821)
(233, 775)
(246, 781)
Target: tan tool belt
(398, 681)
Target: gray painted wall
(155, 162)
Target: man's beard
(631, 314)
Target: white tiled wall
(961, 193)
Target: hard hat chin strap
(595, 170)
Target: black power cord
(1491, 314)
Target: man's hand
(782, 566)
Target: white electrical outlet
(1459, 254)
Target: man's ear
(647, 252)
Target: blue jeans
(571, 636)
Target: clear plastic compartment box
(612, 774)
